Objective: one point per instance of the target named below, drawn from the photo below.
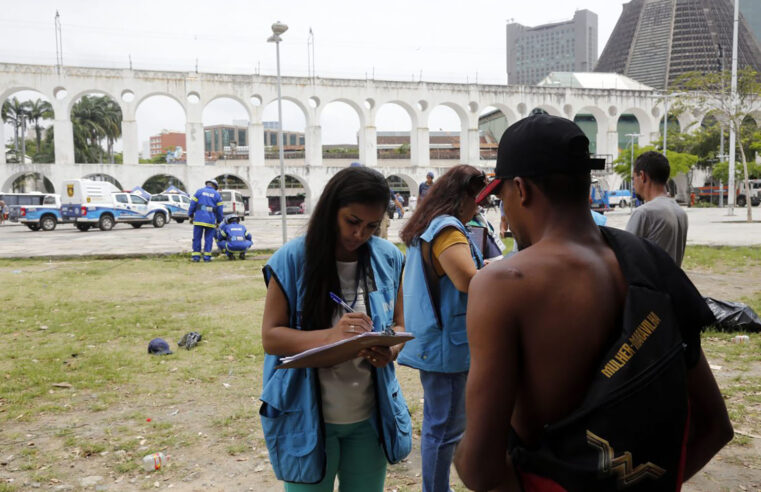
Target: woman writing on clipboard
(350, 419)
(441, 260)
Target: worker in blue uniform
(232, 238)
(205, 213)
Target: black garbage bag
(734, 316)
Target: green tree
(710, 92)
(38, 110)
(15, 112)
(95, 119)
(720, 171)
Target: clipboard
(335, 353)
(478, 237)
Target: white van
(232, 203)
(177, 204)
(90, 203)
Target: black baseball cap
(539, 145)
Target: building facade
(657, 41)
(165, 141)
(534, 52)
(231, 141)
(751, 10)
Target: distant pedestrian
(232, 237)
(424, 187)
(3, 212)
(399, 205)
(205, 214)
(660, 219)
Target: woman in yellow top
(440, 262)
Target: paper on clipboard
(341, 351)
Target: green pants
(356, 455)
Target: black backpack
(630, 431)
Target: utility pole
(665, 121)
(732, 111)
(310, 57)
(631, 176)
(58, 43)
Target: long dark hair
(443, 198)
(351, 185)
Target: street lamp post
(279, 28)
(631, 144)
(665, 121)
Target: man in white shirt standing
(660, 219)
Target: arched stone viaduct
(193, 91)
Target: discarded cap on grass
(190, 339)
(158, 346)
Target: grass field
(80, 397)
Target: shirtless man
(541, 323)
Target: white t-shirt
(348, 395)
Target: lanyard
(360, 271)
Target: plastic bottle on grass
(154, 461)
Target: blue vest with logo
(206, 207)
(235, 237)
(291, 412)
(440, 343)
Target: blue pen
(341, 303)
(349, 309)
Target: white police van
(177, 204)
(44, 214)
(99, 203)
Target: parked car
(14, 202)
(177, 204)
(45, 216)
(619, 198)
(232, 203)
(90, 203)
(290, 210)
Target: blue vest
(440, 343)
(206, 207)
(235, 237)
(291, 412)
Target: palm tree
(15, 112)
(39, 110)
(95, 118)
(111, 123)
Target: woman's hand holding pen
(351, 325)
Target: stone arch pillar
(368, 138)
(129, 134)
(470, 141)
(255, 137)
(420, 143)
(194, 137)
(313, 136)
(63, 132)
(2, 139)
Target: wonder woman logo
(622, 465)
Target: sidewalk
(708, 226)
